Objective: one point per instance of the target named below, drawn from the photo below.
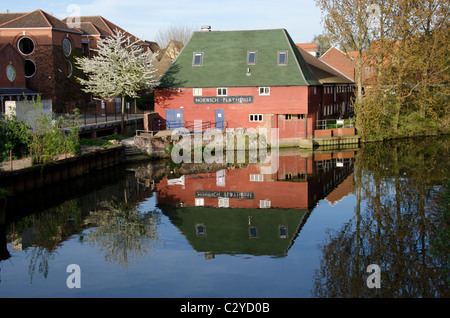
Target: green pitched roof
(225, 61)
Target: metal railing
(334, 123)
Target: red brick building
(37, 56)
(47, 47)
(253, 79)
(346, 63)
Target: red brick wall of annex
(282, 100)
(339, 61)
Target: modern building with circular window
(26, 45)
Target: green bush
(15, 137)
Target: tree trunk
(359, 78)
(123, 115)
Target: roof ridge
(45, 17)
(103, 19)
(19, 17)
(335, 69)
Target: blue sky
(143, 18)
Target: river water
(360, 223)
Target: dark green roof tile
(225, 61)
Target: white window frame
(257, 177)
(278, 58)
(197, 92)
(248, 57)
(255, 117)
(35, 68)
(201, 58)
(265, 91)
(199, 201)
(18, 45)
(223, 202)
(222, 91)
(264, 204)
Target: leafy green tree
(50, 137)
(14, 136)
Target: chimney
(206, 28)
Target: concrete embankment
(33, 177)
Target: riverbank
(23, 176)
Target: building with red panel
(252, 79)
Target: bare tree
(346, 24)
(181, 33)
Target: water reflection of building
(299, 183)
(243, 211)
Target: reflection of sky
(174, 269)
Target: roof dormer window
(197, 59)
(282, 57)
(251, 57)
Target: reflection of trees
(45, 231)
(397, 186)
(124, 233)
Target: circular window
(67, 47)
(26, 46)
(68, 68)
(30, 68)
(11, 72)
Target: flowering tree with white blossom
(119, 67)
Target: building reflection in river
(244, 211)
(219, 208)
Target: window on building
(222, 92)
(30, 68)
(264, 91)
(67, 47)
(282, 57)
(315, 90)
(26, 45)
(198, 59)
(197, 91)
(251, 57)
(255, 117)
(264, 204)
(199, 201)
(224, 202)
(11, 72)
(68, 68)
(256, 177)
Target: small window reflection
(253, 232)
(200, 230)
(283, 231)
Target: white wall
(31, 113)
